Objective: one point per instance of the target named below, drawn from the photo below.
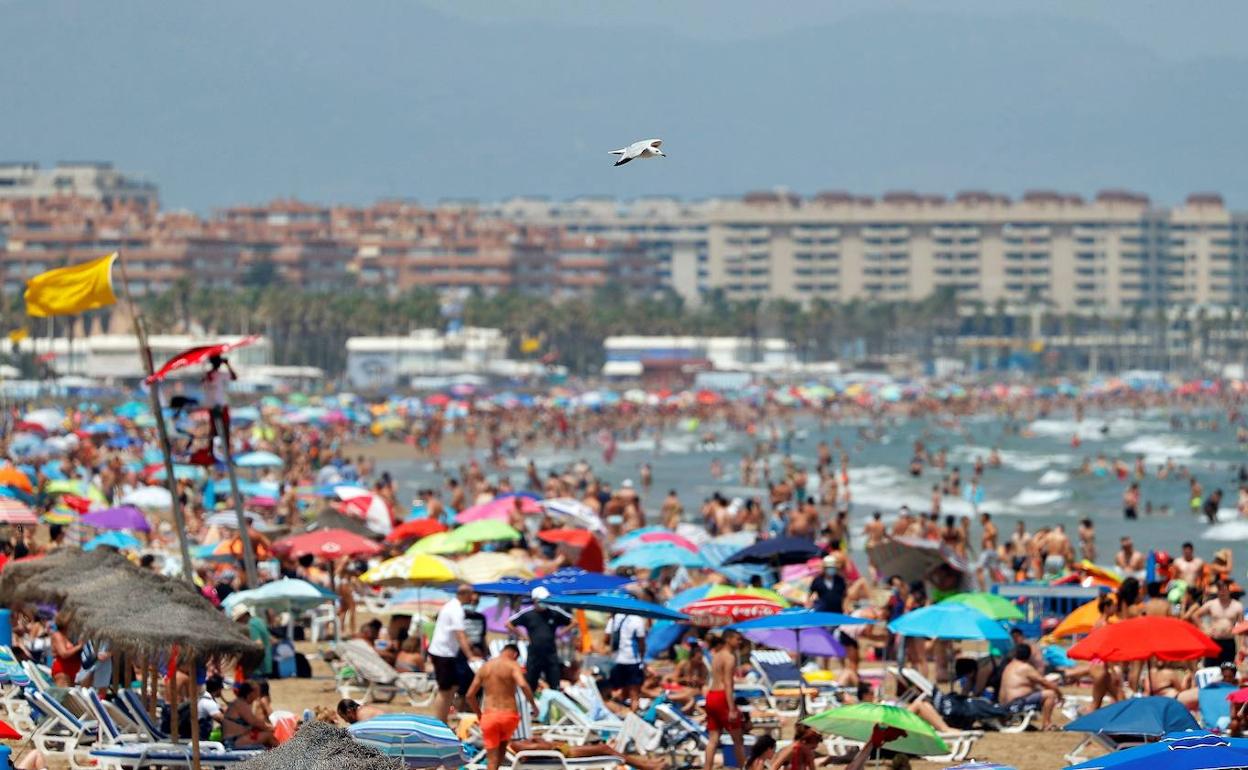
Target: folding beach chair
(60, 733)
(366, 672)
(565, 720)
(785, 686)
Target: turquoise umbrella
(949, 621)
(419, 741)
(115, 539)
(658, 555)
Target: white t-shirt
(444, 642)
(208, 706)
(631, 628)
(214, 387)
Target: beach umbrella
(123, 517)
(1081, 621)
(1195, 750)
(181, 472)
(285, 595)
(575, 512)
(732, 608)
(327, 544)
(7, 733)
(809, 641)
(48, 419)
(669, 537)
(114, 539)
(857, 721)
(485, 531)
(16, 512)
(259, 459)
(569, 580)
(410, 569)
(420, 741)
(590, 557)
(776, 551)
(439, 543)
(615, 602)
(659, 555)
(12, 477)
(1168, 639)
(705, 591)
(499, 508)
(797, 619)
(949, 621)
(995, 607)
(414, 529)
(148, 497)
(75, 487)
(981, 766)
(490, 567)
(1148, 717)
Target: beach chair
(497, 645)
(636, 736)
(366, 672)
(785, 686)
(683, 736)
(61, 734)
(960, 743)
(321, 619)
(1206, 676)
(1215, 709)
(566, 720)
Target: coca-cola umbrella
(730, 608)
(1168, 639)
(327, 544)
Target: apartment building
(80, 179)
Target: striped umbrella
(418, 740)
(980, 766)
(16, 512)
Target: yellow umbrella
(440, 542)
(1081, 621)
(490, 567)
(410, 569)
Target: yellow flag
(530, 345)
(17, 335)
(73, 289)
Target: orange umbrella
(12, 477)
(1079, 622)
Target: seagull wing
(623, 159)
(655, 142)
(621, 151)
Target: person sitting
(351, 711)
(587, 751)
(1022, 686)
(242, 728)
(410, 658)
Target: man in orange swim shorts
(500, 678)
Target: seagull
(646, 148)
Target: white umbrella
(148, 497)
(575, 512)
(46, 418)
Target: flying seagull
(646, 148)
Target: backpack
(964, 712)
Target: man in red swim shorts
(500, 678)
(721, 708)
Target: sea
(1037, 481)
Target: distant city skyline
(244, 102)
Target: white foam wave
(1159, 447)
(1033, 497)
(1053, 478)
(1227, 531)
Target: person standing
(626, 637)
(215, 385)
(827, 590)
(1223, 613)
(541, 624)
(449, 638)
(500, 678)
(721, 708)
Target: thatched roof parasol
(140, 613)
(320, 746)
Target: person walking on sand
(721, 708)
(500, 678)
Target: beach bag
(284, 665)
(964, 712)
(303, 669)
(88, 655)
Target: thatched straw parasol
(320, 746)
(140, 613)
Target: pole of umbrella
(195, 752)
(244, 534)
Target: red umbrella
(1168, 639)
(591, 558)
(327, 544)
(415, 529)
(192, 356)
(7, 733)
(76, 503)
(732, 607)
(1239, 697)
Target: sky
(241, 101)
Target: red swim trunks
(717, 712)
(497, 727)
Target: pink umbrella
(669, 537)
(499, 508)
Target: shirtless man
(1022, 683)
(1087, 540)
(1129, 561)
(874, 530)
(905, 520)
(500, 679)
(804, 520)
(721, 708)
(1156, 605)
(1189, 567)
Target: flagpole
(244, 534)
(153, 392)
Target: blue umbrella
(657, 555)
(119, 540)
(259, 459)
(569, 580)
(1151, 717)
(280, 595)
(614, 602)
(131, 409)
(1176, 751)
(949, 621)
(798, 618)
(776, 551)
(418, 740)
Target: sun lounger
(960, 743)
(784, 685)
(60, 733)
(566, 720)
(366, 672)
(497, 645)
(682, 735)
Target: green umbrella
(484, 531)
(857, 721)
(995, 607)
(439, 543)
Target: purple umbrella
(814, 641)
(125, 517)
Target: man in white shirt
(449, 639)
(215, 383)
(208, 709)
(626, 637)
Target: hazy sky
(246, 100)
